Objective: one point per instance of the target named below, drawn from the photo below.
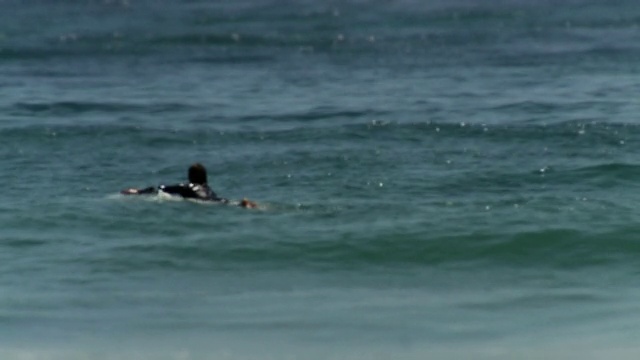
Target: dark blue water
(436, 179)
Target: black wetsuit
(188, 191)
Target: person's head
(197, 174)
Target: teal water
(437, 179)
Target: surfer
(196, 189)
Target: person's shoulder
(195, 187)
(201, 191)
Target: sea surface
(437, 179)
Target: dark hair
(197, 174)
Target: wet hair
(197, 174)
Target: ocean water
(437, 179)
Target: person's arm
(215, 197)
